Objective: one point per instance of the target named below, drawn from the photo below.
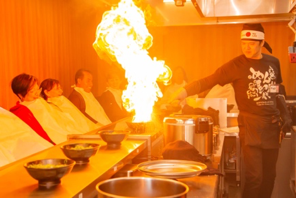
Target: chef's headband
(254, 32)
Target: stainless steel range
(291, 104)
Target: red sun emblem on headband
(248, 34)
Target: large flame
(123, 36)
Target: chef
(256, 77)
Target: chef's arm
(193, 88)
(202, 85)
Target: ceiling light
(177, 2)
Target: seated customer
(85, 101)
(111, 99)
(17, 139)
(52, 93)
(56, 123)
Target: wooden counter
(81, 182)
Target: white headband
(252, 34)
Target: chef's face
(33, 93)
(55, 91)
(86, 82)
(252, 48)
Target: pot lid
(187, 119)
(172, 169)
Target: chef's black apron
(259, 131)
(260, 142)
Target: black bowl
(113, 138)
(49, 172)
(80, 152)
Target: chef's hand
(287, 125)
(177, 97)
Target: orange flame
(123, 36)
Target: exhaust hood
(226, 8)
(201, 12)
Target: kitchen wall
(48, 39)
(53, 39)
(202, 49)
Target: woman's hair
(183, 71)
(22, 83)
(47, 84)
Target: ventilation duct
(230, 8)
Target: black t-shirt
(252, 81)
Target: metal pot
(195, 129)
(137, 187)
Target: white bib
(56, 123)
(17, 139)
(68, 107)
(93, 107)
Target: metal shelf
(230, 171)
(236, 143)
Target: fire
(123, 36)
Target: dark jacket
(77, 99)
(113, 111)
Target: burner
(137, 127)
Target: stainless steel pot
(195, 129)
(139, 187)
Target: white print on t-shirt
(259, 87)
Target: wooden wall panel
(45, 38)
(202, 49)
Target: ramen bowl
(113, 138)
(80, 152)
(49, 172)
